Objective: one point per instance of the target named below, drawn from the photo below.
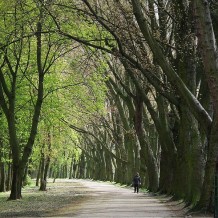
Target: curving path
(107, 200)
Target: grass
(40, 203)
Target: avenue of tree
(103, 89)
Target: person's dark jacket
(136, 180)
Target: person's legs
(137, 188)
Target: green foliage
(28, 181)
(74, 82)
(71, 94)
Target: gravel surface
(86, 198)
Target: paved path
(107, 200)
(112, 201)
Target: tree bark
(209, 53)
(2, 169)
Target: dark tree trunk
(2, 168)
(2, 177)
(9, 176)
(126, 117)
(209, 53)
(16, 183)
(17, 172)
(146, 152)
(47, 163)
(42, 169)
(82, 166)
(108, 162)
(24, 179)
(208, 184)
(75, 170)
(119, 146)
(168, 155)
(71, 167)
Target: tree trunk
(16, 183)
(209, 54)
(168, 156)
(146, 153)
(71, 167)
(17, 171)
(208, 184)
(2, 168)
(47, 162)
(129, 137)
(42, 169)
(9, 176)
(119, 146)
(38, 173)
(82, 166)
(2, 177)
(109, 171)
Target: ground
(86, 198)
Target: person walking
(136, 182)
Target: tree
(19, 72)
(207, 42)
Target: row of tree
(162, 94)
